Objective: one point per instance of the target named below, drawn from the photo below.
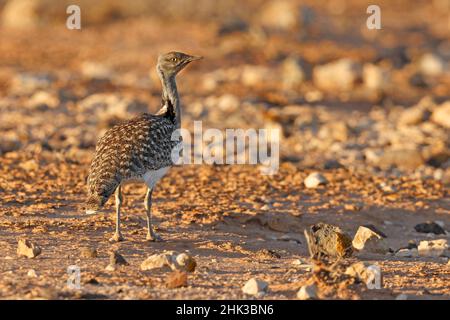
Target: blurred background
(340, 93)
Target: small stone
(338, 75)
(307, 292)
(42, 100)
(28, 249)
(255, 287)
(95, 71)
(280, 15)
(255, 75)
(441, 115)
(110, 267)
(362, 271)
(407, 253)
(116, 259)
(157, 261)
(374, 77)
(369, 239)
(176, 279)
(87, 252)
(292, 72)
(413, 116)
(32, 273)
(314, 180)
(184, 262)
(431, 65)
(429, 227)
(408, 159)
(433, 248)
(329, 241)
(228, 102)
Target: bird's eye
(174, 59)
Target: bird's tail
(94, 203)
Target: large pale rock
(369, 239)
(255, 287)
(307, 292)
(365, 272)
(170, 260)
(28, 249)
(431, 65)
(433, 248)
(338, 75)
(22, 14)
(283, 15)
(314, 180)
(441, 115)
(375, 77)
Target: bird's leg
(118, 235)
(151, 235)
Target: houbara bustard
(139, 149)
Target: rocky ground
(366, 112)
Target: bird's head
(173, 62)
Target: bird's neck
(170, 97)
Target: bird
(140, 149)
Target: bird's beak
(194, 58)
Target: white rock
(28, 249)
(42, 100)
(374, 77)
(307, 292)
(228, 102)
(407, 253)
(158, 261)
(292, 73)
(21, 13)
(255, 75)
(255, 287)
(32, 273)
(338, 75)
(433, 248)
(314, 180)
(431, 65)
(281, 15)
(413, 116)
(441, 115)
(370, 241)
(96, 71)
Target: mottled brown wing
(127, 151)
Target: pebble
(361, 271)
(433, 248)
(170, 260)
(337, 75)
(281, 15)
(32, 273)
(441, 115)
(369, 239)
(255, 287)
(407, 253)
(307, 292)
(176, 279)
(28, 249)
(374, 77)
(431, 65)
(314, 180)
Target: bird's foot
(117, 237)
(154, 237)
